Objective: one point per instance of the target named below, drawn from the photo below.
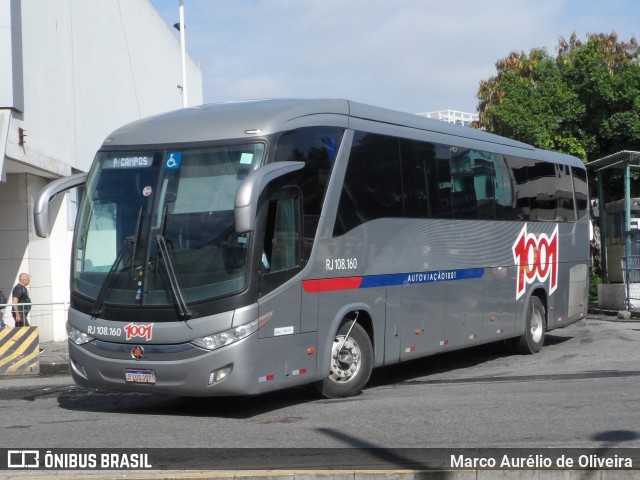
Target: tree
(585, 101)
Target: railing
(632, 273)
(9, 306)
(51, 317)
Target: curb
(615, 315)
(49, 369)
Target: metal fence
(631, 275)
(51, 317)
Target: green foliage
(594, 281)
(585, 101)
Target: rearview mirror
(41, 205)
(246, 199)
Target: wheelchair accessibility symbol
(173, 159)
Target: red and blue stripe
(370, 281)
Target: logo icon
(145, 331)
(173, 159)
(536, 257)
(137, 352)
(23, 459)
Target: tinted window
(281, 236)
(317, 148)
(372, 187)
(280, 256)
(565, 211)
(520, 204)
(505, 193)
(550, 192)
(581, 190)
(478, 186)
(426, 179)
(540, 179)
(391, 177)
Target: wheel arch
(363, 317)
(346, 313)
(541, 293)
(535, 323)
(347, 376)
(537, 291)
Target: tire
(532, 339)
(351, 363)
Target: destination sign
(118, 160)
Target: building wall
(45, 259)
(78, 70)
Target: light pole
(183, 55)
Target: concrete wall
(90, 67)
(77, 70)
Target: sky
(409, 55)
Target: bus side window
(372, 186)
(284, 244)
(282, 249)
(317, 148)
(581, 189)
(426, 179)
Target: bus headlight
(77, 336)
(217, 340)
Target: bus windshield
(157, 227)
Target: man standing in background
(20, 295)
(3, 305)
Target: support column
(627, 232)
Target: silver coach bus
(246, 247)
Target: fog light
(218, 375)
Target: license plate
(139, 376)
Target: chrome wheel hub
(537, 325)
(345, 359)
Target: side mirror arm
(41, 205)
(246, 200)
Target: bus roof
(256, 118)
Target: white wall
(91, 66)
(86, 67)
(6, 63)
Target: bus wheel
(351, 363)
(533, 338)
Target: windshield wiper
(183, 310)
(136, 237)
(163, 250)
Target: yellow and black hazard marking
(19, 349)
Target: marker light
(217, 340)
(219, 375)
(78, 337)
